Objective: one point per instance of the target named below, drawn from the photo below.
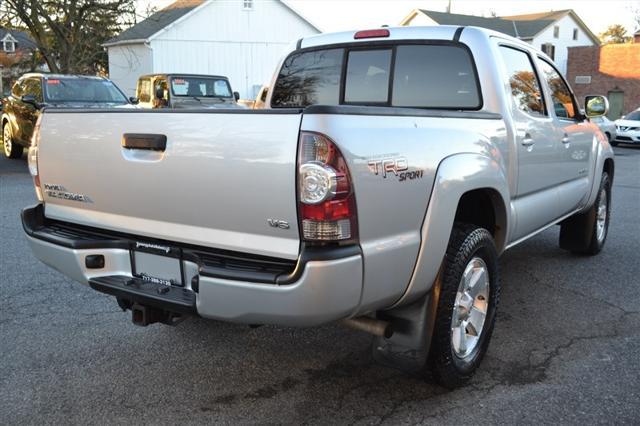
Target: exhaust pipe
(370, 325)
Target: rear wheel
(11, 149)
(586, 233)
(470, 290)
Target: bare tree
(69, 33)
(615, 34)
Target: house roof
(553, 15)
(155, 23)
(496, 24)
(521, 26)
(23, 38)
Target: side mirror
(134, 100)
(596, 105)
(31, 100)
(236, 95)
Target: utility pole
(449, 7)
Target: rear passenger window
(33, 87)
(144, 90)
(563, 103)
(368, 76)
(524, 84)
(17, 89)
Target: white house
(552, 32)
(241, 39)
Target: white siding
(127, 63)
(222, 38)
(565, 40)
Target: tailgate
(223, 180)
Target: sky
(338, 15)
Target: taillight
(327, 202)
(32, 158)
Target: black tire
(579, 233)
(467, 242)
(613, 143)
(10, 149)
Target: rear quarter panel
(391, 211)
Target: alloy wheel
(470, 308)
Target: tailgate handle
(148, 141)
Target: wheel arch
(470, 187)
(485, 208)
(609, 168)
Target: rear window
(200, 87)
(415, 75)
(85, 90)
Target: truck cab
(185, 91)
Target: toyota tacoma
(390, 170)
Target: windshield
(634, 116)
(200, 87)
(88, 90)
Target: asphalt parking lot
(565, 347)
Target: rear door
(219, 181)
(538, 165)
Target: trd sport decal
(399, 167)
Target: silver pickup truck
(391, 169)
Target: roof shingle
(156, 22)
(522, 28)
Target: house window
(549, 49)
(556, 31)
(575, 33)
(9, 44)
(247, 4)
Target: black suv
(32, 92)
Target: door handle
(527, 140)
(149, 141)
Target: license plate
(157, 269)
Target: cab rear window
(440, 76)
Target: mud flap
(408, 348)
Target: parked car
(259, 101)
(185, 91)
(35, 91)
(607, 126)
(377, 190)
(628, 128)
(261, 98)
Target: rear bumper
(324, 286)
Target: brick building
(612, 70)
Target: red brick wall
(611, 67)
